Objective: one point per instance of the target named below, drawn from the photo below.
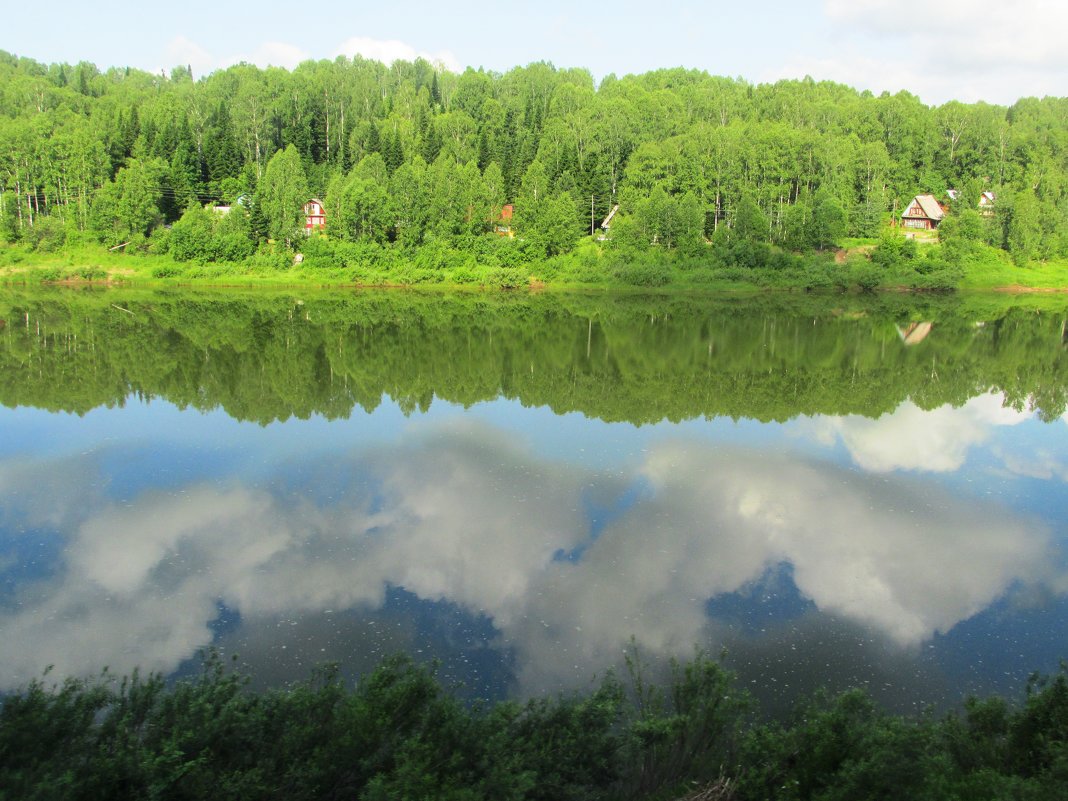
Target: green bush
(644, 273)
(868, 277)
(506, 278)
(47, 235)
(465, 275)
(398, 734)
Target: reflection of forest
(264, 357)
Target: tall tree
(282, 193)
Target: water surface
(832, 491)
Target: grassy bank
(859, 267)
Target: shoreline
(22, 279)
(843, 271)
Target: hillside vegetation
(716, 179)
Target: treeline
(415, 164)
(631, 358)
(398, 734)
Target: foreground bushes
(398, 734)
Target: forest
(398, 733)
(416, 166)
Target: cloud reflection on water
(462, 514)
(911, 438)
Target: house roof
(930, 206)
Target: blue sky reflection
(530, 548)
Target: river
(827, 491)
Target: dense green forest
(415, 164)
(267, 356)
(399, 735)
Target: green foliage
(894, 250)
(960, 235)
(1025, 228)
(406, 155)
(828, 220)
(47, 235)
(750, 224)
(129, 206)
(202, 235)
(647, 272)
(282, 193)
(398, 734)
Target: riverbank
(399, 733)
(588, 267)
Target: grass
(997, 271)
(586, 267)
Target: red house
(503, 225)
(314, 216)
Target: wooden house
(314, 216)
(923, 213)
(503, 224)
(985, 204)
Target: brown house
(314, 216)
(924, 213)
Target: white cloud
(948, 50)
(389, 50)
(272, 54)
(910, 438)
(183, 51)
(1028, 32)
(1040, 463)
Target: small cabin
(607, 223)
(503, 225)
(923, 213)
(314, 216)
(985, 204)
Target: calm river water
(830, 491)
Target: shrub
(506, 278)
(868, 278)
(465, 275)
(644, 273)
(47, 235)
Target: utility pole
(592, 228)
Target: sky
(952, 49)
